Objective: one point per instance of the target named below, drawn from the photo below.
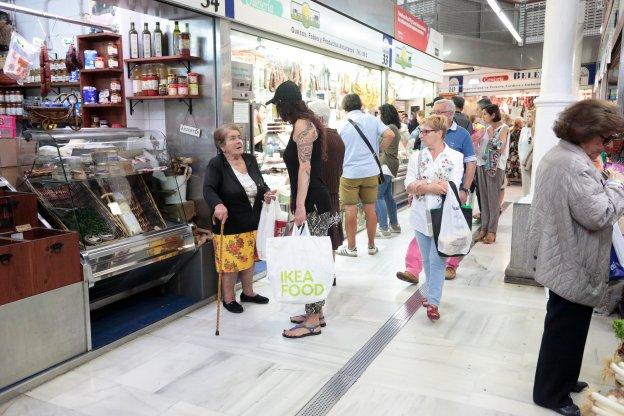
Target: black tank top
(318, 195)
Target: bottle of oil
(158, 37)
(147, 42)
(176, 39)
(134, 41)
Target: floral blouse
(448, 166)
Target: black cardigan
(221, 186)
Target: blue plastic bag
(616, 271)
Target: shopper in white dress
(428, 174)
(525, 152)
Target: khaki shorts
(353, 191)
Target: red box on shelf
(8, 127)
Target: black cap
(438, 98)
(286, 91)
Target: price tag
(191, 131)
(114, 208)
(17, 236)
(22, 228)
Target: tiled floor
(479, 359)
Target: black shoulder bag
(380, 177)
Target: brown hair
(220, 134)
(584, 120)
(437, 123)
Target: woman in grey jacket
(570, 227)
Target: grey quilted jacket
(570, 224)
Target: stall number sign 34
(207, 3)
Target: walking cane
(220, 278)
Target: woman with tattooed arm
(310, 201)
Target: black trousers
(561, 354)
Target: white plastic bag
(455, 237)
(21, 56)
(618, 242)
(266, 227)
(300, 268)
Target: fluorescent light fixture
(503, 18)
(459, 71)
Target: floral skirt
(239, 252)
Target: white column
(578, 47)
(556, 90)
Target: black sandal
(299, 319)
(311, 331)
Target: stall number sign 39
(193, 131)
(211, 3)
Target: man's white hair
(449, 105)
(321, 109)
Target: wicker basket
(51, 117)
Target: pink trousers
(414, 262)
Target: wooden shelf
(108, 105)
(38, 85)
(100, 36)
(163, 97)
(101, 71)
(162, 59)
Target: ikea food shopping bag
(300, 267)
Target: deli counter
(116, 188)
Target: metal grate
(533, 19)
(337, 386)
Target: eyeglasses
(424, 132)
(437, 113)
(606, 140)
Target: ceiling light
(505, 20)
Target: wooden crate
(16, 277)
(54, 257)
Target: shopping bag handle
(300, 229)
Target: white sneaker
(373, 250)
(381, 233)
(344, 250)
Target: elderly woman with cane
(234, 189)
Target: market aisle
(477, 360)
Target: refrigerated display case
(114, 187)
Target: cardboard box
(8, 152)
(12, 174)
(17, 152)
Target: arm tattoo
(305, 141)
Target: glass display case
(116, 188)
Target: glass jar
(2, 96)
(193, 89)
(183, 89)
(115, 85)
(137, 81)
(19, 110)
(150, 84)
(3, 109)
(115, 97)
(172, 89)
(99, 62)
(193, 78)
(19, 97)
(111, 49)
(172, 77)
(182, 80)
(113, 61)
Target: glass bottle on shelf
(158, 36)
(147, 42)
(185, 41)
(134, 41)
(161, 70)
(176, 39)
(137, 81)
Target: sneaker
(395, 229)
(407, 277)
(450, 273)
(344, 250)
(381, 233)
(373, 250)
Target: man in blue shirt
(360, 171)
(458, 139)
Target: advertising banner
(414, 32)
(313, 24)
(407, 60)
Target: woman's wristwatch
(462, 188)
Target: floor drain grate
(337, 386)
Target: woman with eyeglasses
(428, 173)
(491, 174)
(570, 227)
